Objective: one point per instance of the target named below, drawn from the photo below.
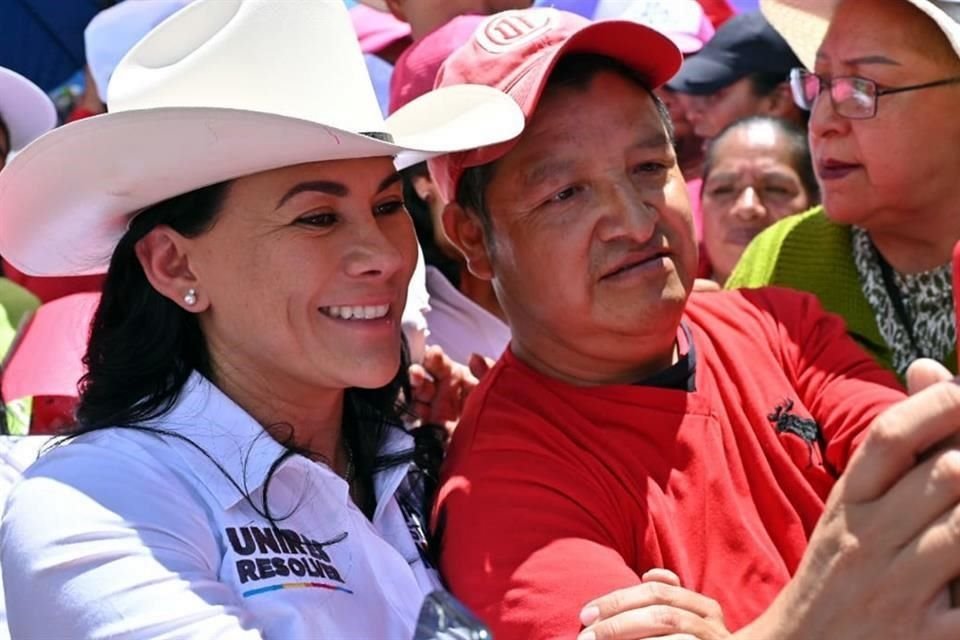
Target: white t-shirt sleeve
(84, 555)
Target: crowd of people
(607, 320)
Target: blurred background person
(757, 171)
(463, 315)
(884, 91)
(26, 113)
(742, 71)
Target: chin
(369, 375)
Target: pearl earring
(190, 298)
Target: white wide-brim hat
(25, 109)
(803, 23)
(220, 90)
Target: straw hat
(221, 89)
(803, 23)
(25, 109)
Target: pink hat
(516, 51)
(683, 21)
(47, 357)
(377, 29)
(416, 68)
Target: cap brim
(702, 75)
(26, 110)
(803, 23)
(134, 159)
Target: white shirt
(460, 325)
(16, 454)
(125, 534)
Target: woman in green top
(883, 95)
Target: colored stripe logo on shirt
(295, 585)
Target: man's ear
(465, 231)
(396, 8)
(164, 257)
(424, 187)
(779, 102)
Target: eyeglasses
(852, 97)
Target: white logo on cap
(510, 30)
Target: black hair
(575, 71)
(763, 83)
(143, 348)
(419, 210)
(793, 134)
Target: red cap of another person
(416, 69)
(516, 51)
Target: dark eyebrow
(332, 188)
(323, 186)
(864, 60)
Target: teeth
(357, 313)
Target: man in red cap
(739, 440)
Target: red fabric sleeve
(842, 386)
(551, 526)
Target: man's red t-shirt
(553, 494)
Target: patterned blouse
(927, 300)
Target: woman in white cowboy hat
(241, 468)
(883, 86)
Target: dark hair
(793, 135)
(143, 348)
(573, 71)
(763, 83)
(419, 210)
(6, 136)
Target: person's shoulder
(787, 251)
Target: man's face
(592, 249)
(710, 114)
(424, 16)
(898, 169)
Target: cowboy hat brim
(79, 186)
(803, 23)
(25, 109)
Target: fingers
(925, 373)
(658, 621)
(931, 561)
(650, 594)
(923, 496)
(480, 365)
(898, 438)
(661, 575)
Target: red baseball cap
(516, 51)
(416, 69)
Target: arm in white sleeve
(95, 544)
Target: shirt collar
(229, 444)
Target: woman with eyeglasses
(884, 94)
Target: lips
(742, 237)
(634, 260)
(830, 169)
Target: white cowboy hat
(25, 109)
(803, 23)
(114, 31)
(221, 89)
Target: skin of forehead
(909, 23)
